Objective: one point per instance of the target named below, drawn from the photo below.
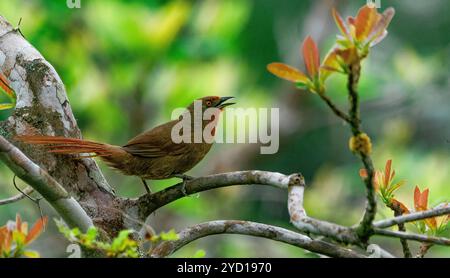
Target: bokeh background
(127, 64)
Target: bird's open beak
(221, 104)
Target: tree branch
(411, 236)
(308, 225)
(253, 229)
(148, 203)
(69, 209)
(42, 107)
(412, 217)
(17, 197)
(365, 226)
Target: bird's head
(201, 106)
(212, 102)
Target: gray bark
(43, 108)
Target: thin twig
(28, 190)
(34, 200)
(412, 217)
(411, 236)
(334, 108)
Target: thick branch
(69, 209)
(310, 225)
(17, 197)
(411, 236)
(148, 203)
(253, 229)
(412, 217)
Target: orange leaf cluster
(367, 29)
(359, 33)
(311, 58)
(421, 204)
(14, 236)
(385, 186)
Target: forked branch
(252, 229)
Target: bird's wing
(155, 143)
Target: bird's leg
(185, 179)
(147, 188)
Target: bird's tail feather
(64, 145)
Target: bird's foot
(185, 179)
(147, 188)
(183, 188)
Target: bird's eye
(208, 103)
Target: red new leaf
(340, 23)
(36, 230)
(311, 56)
(365, 20)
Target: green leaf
(170, 235)
(4, 106)
(119, 241)
(75, 232)
(199, 254)
(396, 186)
(91, 234)
(31, 254)
(18, 238)
(301, 85)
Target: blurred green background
(127, 64)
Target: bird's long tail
(64, 145)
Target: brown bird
(150, 155)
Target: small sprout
(364, 31)
(360, 144)
(421, 204)
(122, 246)
(385, 186)
(435, 224)
(171, 235)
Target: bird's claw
(147, 188)
(183, 188)
(185, 179)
